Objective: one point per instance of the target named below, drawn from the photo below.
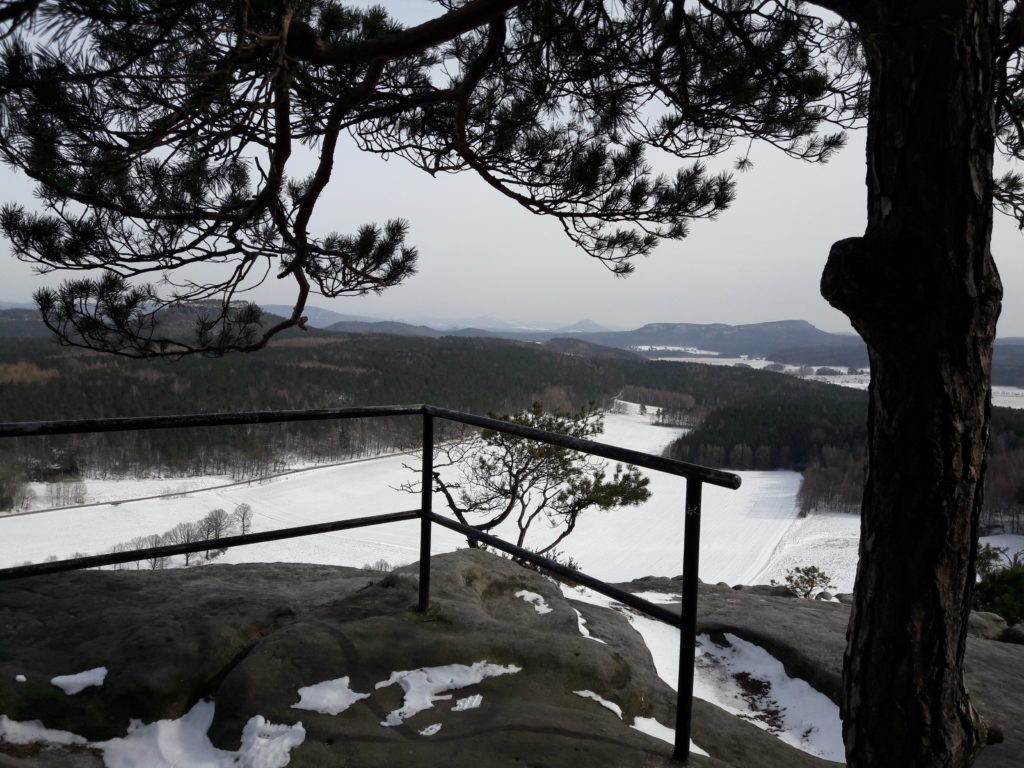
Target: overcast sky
(481, 254)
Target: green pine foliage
(1002, 591)
(806, 581)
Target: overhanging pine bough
(161, 134)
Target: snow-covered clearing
(740, 529)
(1014, 545)
(748, 536)
(827, 540)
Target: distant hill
(22, 324)
(573, 346)
(383, 326)
(178, 322)
(318, 316)
(583, 326)
(794, 342)
(755, 340)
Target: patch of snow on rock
(786, 706)
(33, 732)
(602, 701)
(430, 730)
(268, 745)
(174, 743)
(331, 697)
(470, 702)
(72, 684)
(652, 727)
(659, 597)
(20, 678)
(583, 629)
(535, 600)
(426, 685)
(807, 719)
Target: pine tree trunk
(921, 288)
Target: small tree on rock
(495, 479)
(806, 580)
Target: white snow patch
(176, 743)
(652, 727)
(72, 684)
(602, 701)
(535, 600)
(33, 732)
(582, 623)
(469, 702)
(426, 685)
(20, 678)
(810, 721)
(430, 730)
(331, 697)
(659, 597)
(647, 725)
(807, 719)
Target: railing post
(688, 633)
(426, 497)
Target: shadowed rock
(249, 636)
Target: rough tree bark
(922, 290)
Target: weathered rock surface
(809, 636)
(248, 636)
(987, 625)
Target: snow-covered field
(740, 529)
(748, 536)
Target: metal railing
(694, 474)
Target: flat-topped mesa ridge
(248, 637)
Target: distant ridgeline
(741, 418)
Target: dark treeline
(745, 418)
(821, 433)
(780, 428)
(41, 381)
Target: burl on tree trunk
(922, 290)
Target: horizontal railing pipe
(79, 426)
(614, 452)
(131, 556)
